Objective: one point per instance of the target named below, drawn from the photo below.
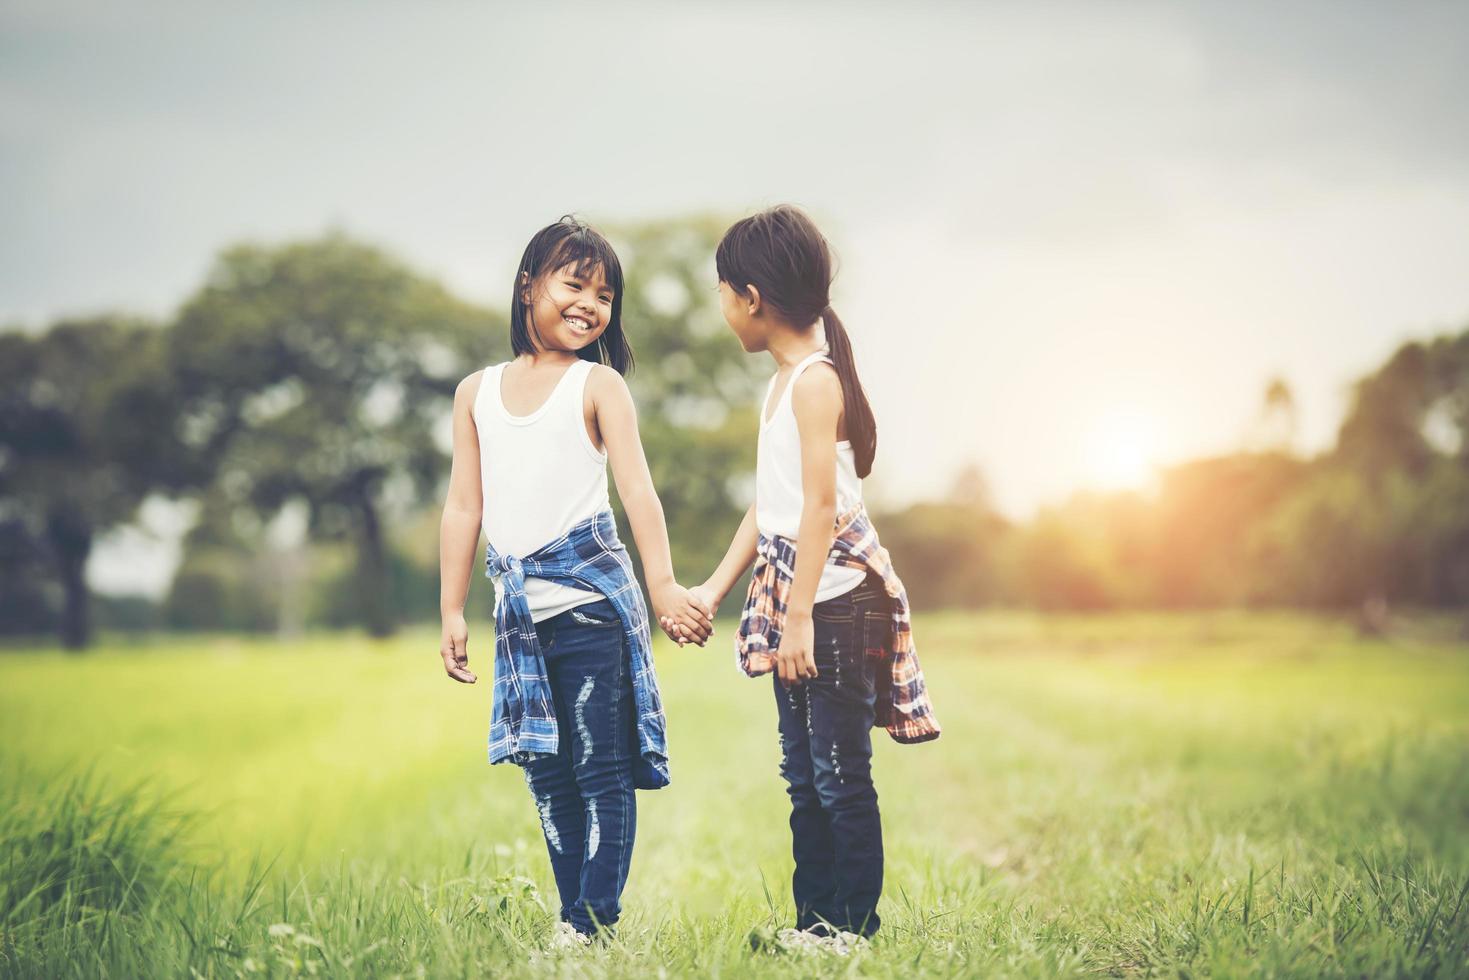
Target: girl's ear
(525, 288)
(754, 293)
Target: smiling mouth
(578, 324)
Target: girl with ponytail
(825, 611)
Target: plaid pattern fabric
(903, 707)
(523, 719)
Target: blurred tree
(696, 389)
(948, 551)
(26, 575)
(1060, 566)
(86, 432)
(1274, 429)
(1383, 431)
(223, 582)
(1438, 534)
(323, 372)
(1331, 543)
(1404, 451)
(1205, 514)
(1095, 551)
(1412, 409)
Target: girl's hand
(704, 597)
(682, 618)
(454, 648)
(795, 661)
(708, 598)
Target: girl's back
(779, 494)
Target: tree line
(1379, 520)
(310, 382)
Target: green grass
(1125, 795)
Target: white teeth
(579, 324)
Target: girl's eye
(605, 299)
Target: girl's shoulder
(816, 395)
(603, 379)
(818, 381)
(467, 391)
(470, 385)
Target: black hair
(782, 254)
(571, 241)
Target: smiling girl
(576, 701)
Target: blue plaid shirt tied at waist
(523, 720)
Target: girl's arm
(734, 564)
(741, 552)
(459, 533)
(816, 400)
(617, 423)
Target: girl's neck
(789, 346)
(547, 358)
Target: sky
(1076, 240)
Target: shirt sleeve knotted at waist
(903, 707)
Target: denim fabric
(584, 792)
(522, 717)
(826, 749)
(903, 704)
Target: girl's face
(569, 311)
(749, 328)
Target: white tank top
(778, 493)
(540, 476)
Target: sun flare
(1121, 451)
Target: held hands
(683, 615)
(454, 648)
(707, 597)
(795, 661)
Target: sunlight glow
(1121, 451)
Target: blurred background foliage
(299, 402)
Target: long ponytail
(781, 252)
(861, 425)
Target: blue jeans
(585, 792)
(826, 748)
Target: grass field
(1129, 795)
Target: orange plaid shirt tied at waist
(903, 707)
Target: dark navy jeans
(585, 792)
(826, 748)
